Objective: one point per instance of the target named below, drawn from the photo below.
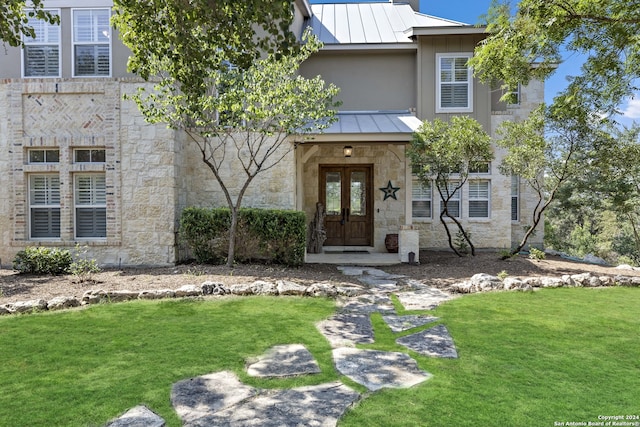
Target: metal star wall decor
(390, 191)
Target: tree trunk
(446, 228)
(232, 237)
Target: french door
(346, 194)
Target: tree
(250, 113)
(531, 43)
(445, 152)
(548, 150)
(14, 20)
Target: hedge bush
(41, 260)
(263, 235)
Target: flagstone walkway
(221, 399)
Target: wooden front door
(346, 194)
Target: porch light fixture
(347, 150)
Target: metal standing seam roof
(369, 23)
(374, 122)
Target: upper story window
(480, 167)
(89, 155)
(41, 55)
(454, 84)
(44, 156)
(91, 42)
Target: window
(421, 199)
(515, 198)
(454, 83)
(89, 155)
(44, 206)
(479, 199)
(91, 206)
(91, 42)
(453, 206)
(44, 156)
(41, 55)
(480, 167)
(513, 95)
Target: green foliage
(14, 20)
(42, 260)
(263, 235)
(82, 267)
(444, 152)
(460, 242)
(542, 31)
(503, 275)
(536, 254)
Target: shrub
(41, 260)
(503, 275)
(536, 254)
(263, 235)
(82, 267)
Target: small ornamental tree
(14, 20)
(445, 152)
(243, 115)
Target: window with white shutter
(453, 206)
(44, 206)
(421, 198)
(454, 83)
(515, 198)
(91, 42)
(479, 192)
(90, 206)
(41, 55)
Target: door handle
(348, 213)
(344, 210)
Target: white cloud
(632, 110)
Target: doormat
(346, 252)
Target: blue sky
(469, 12)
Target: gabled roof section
(369, 23)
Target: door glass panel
(358, 193)
(333, 193)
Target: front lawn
(526, 359)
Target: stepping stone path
(221, 399)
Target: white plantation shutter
(454, 201)
(421, 199)
(44, 203)
(454, 84)
(92, 42)
(91, 202)
(478, 199)
(41, 55)
(515, 198)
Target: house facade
(81, 166)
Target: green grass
(526, 359)
(84, 367)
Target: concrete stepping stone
(199, 397)
(139, 416)
(424, 299)
(379, 369)
(404, 323)
(320, 405)
(434, 342)
(369, 303)
(284, 361)
(347, 329)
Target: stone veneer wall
(139, 168)
(388, 162)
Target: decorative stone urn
(391, 243)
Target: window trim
(27, 42)
(50, 206)
(77, 205)
(93, 43)
(44, 150)
(416, 183)
(472, 172)
(471, 198)
(439, 83)
(90, 150)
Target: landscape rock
(5, 310)
(258, 287)
(349, 291)
(157, 294)
(139, 416)
(402, 323)
(551, 282)
(213, 288)
(322, 290)
(286, 287)
(94, 296)
(486, 282)
(118, 296)
(60, 303)
(423, 299)
(188, 291)
(434, 342)
(284, 361)
(513, 283)
(347, 329)
(27, 306)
